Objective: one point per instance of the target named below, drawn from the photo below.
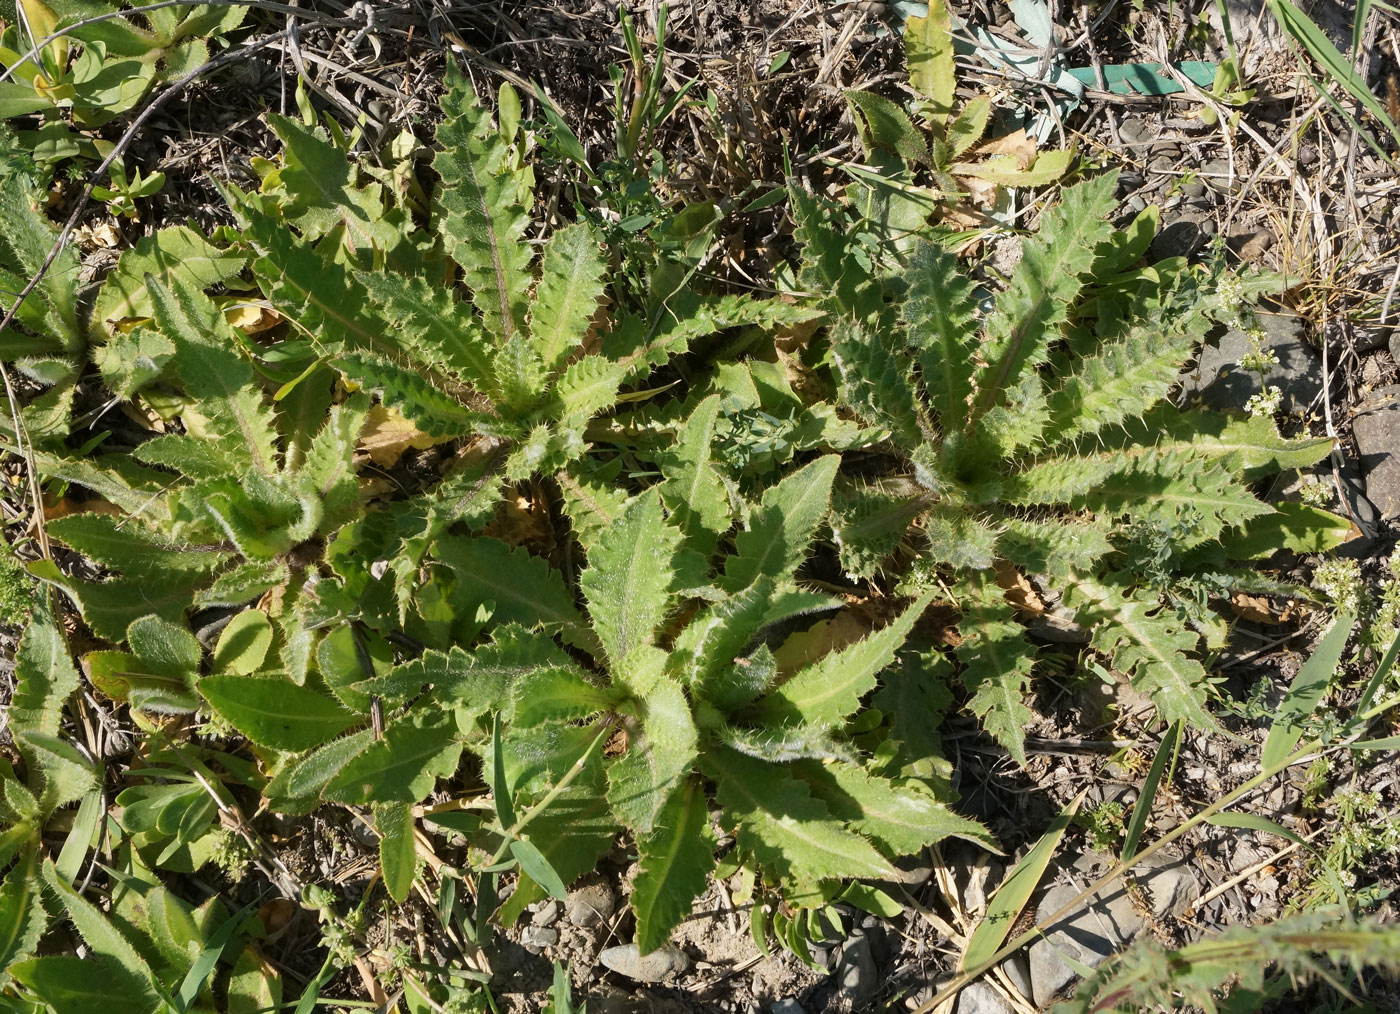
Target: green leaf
(783, 826)
(558, 694)
(872, 900)
(1029, 311)
(537, 868)
(1144, 638)
(1142, 809)
(940, 318)
(398, 854)
(928, 50)
(780, 530)
(244, 643)
(883, 124)
(567, 294)
(693, 488)
(302, 781)
(22, 916)
(175, 252)
(44, 676)
(876, 380)
(109, 607)
(630, 580)
(274, 712)
(215, 373)
(523, 588)
(136, 982)
(1293, 526)
(73, 985)
(997, 661)
(477, 210)
(402, 767)
(675, 864)
(830, 690)
(433, 327)
(901, 817)
(434, 411)
(1005, 906)
(1305, 692)
(658, 758)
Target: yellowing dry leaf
(250, 318)
(65, 506)
(842, 630)
(1016, 144)
(387, 434)
(1020, 593)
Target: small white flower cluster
(1238, 314)
(1317, 494)
(1340, 581)
(1385, 625)
(1266, 402)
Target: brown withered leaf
(1020, 593)
(1253, 608)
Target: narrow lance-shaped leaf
(214, 372)
(1048, 278)
(783, 826)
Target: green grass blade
(1011, 897)
(1307, 689)
(79, 840)
(1143, 808)
(209, 957)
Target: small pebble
(589, 905)
(547, 914)
(536, 939)
(662, 963)
(787, 1006)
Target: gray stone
(1018, 970)
(980, 998)
(1376, 426)
(1219, 382)
(547, 914)
(589, 905)
(787, 1006)
(857, 978)
(1182, 237)
(536, 939)
(1089, 935)
(662, 963)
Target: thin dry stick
(26, 448)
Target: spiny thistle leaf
(830, 690)
(693, 489)
(782, 527)
(676, 860)
(1029, 311)
(629, 581)
(940, 318)
(567, 295)
(657, 761)
(432, 327)
(213, 372)
(478, 213)
(436, 413)
(1144, 639)
(901, 817)
(869, 525)
(997, 661)
(876, 380)
(783, 825)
